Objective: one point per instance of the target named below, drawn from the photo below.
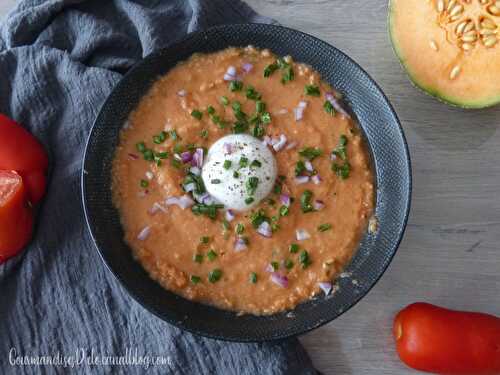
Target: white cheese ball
(232, 186)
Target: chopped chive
(270, 69)
(260, 106)
(304, 259)
(258, 218)
(266, 118)
(288, 75)
(310, 153)
(178, 148)
(195, 279)
(300, 168)
(258, 131)
(255, 164)
(198, 258)
(253, 277)
(215, 181)
(204, 239)
(311, 90)
(224, 100)
(275, 227)
(148, 155)
(243, 162)
(294, 248)
(144, 183)
(249, 200)
(235, 86)
(252, 94)
(324, 227)
(225, 225)
(227, 164)
(211, 255)
(210, 110)
(251, 185)
(328, 107)
(289, 264)
(197, 114)
(275, 265)
(240, 228)
(305, 201)
(236, 174)
(204, 134)
(342, 171)
(214, 275)
(161, 155)
(174, 135)
(284, 210)
(236, 106)
(141, 147)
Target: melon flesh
(461, 68)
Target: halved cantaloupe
(450, 48)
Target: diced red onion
(309, 166)
(197, 159)
(325, 287)
(318, 205)
(149, 175)
(228, 148)
(230, 74)
(285, 200)
(231, 70)
(183, 202)
(279, 279)
(333, 156)
(269, 268)
(143, 193)
(143, 234)
(264, 229)
(336, 105)
(302, 234)
(229, 215)
(240, 245)
(302, 104)
(133, 156)
(299, 113)
(156, 208)
(186, 157)
(278, 146)
(182, 93)
(200, 198)
(208, 200)
(316, 179)
(247, 67)
(195, 170)
(267, 140)
(178, 157)
(299, 180)
(189, 187)
(282, 111)
(291, 145)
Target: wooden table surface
(450, 254)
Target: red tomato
(16, 215)
(437, 340)
(21, 152)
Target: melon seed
(454, 72)
(434, 45)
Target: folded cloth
(59, 60)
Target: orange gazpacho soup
(242, 182)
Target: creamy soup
(242, 182)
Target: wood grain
(450, 254)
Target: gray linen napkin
(59, 59)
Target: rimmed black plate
(390, 158)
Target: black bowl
(390, 160)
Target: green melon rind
(448, 99)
